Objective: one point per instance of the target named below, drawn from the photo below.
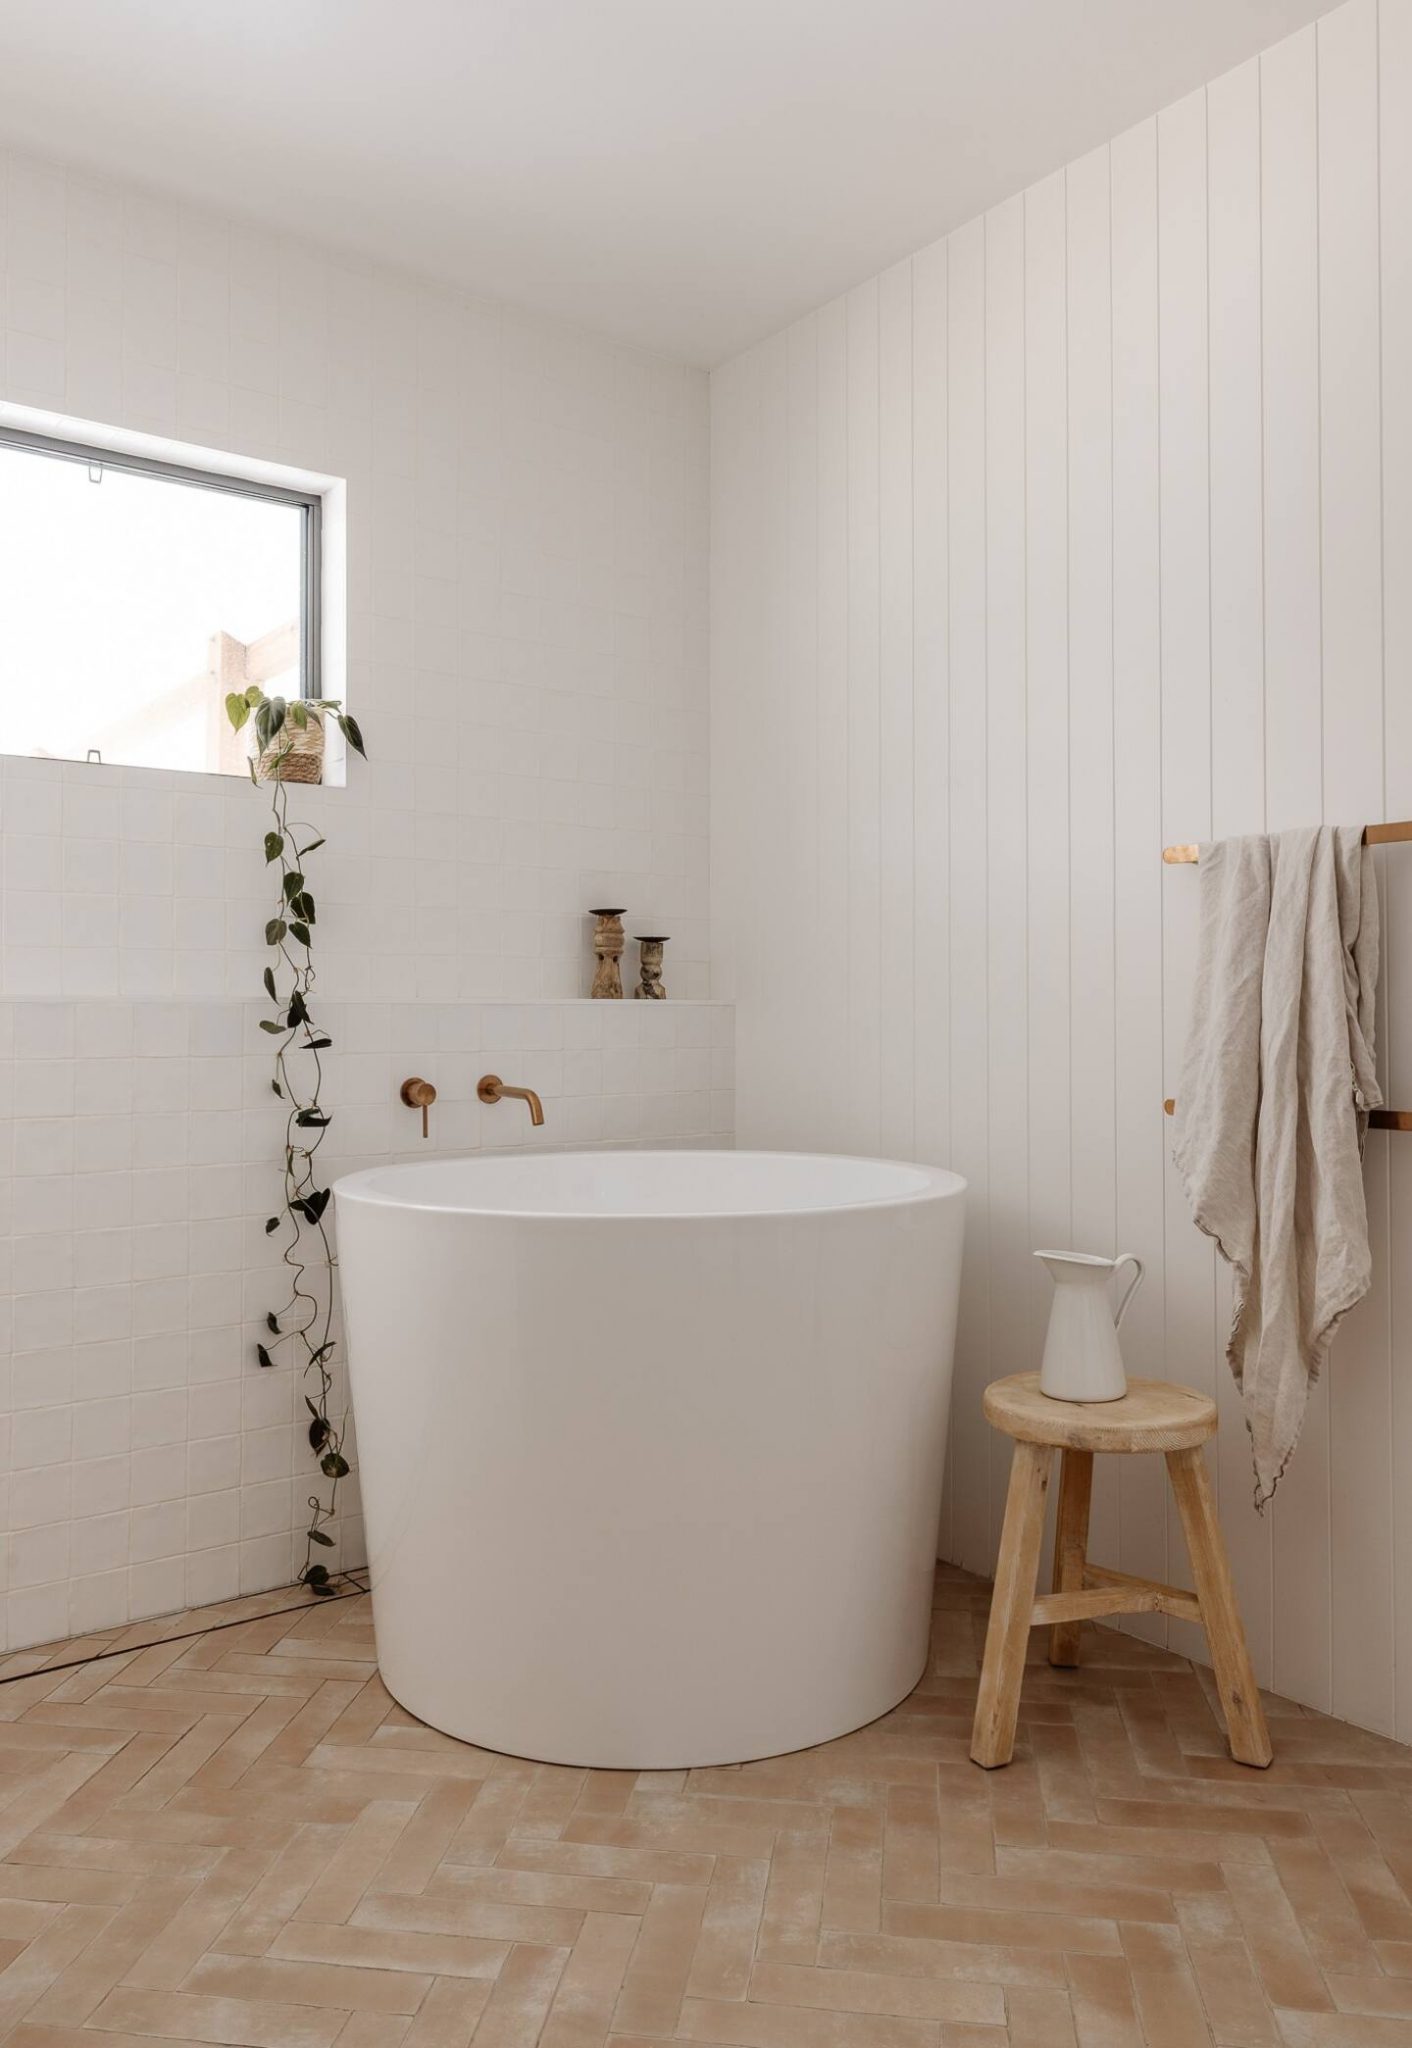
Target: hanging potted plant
(289, 747)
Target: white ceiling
(687, 175)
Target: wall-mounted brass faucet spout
(490, 1088)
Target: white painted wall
(527, 524)
(1085, 530)
(527, 591)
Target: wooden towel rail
(1373, 835)
(1395, 834)
(1378, 1119)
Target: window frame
(311, 526)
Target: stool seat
(1153, 1415)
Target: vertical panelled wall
(1087, 529)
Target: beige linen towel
(1275, 1085)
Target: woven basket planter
(295, 755)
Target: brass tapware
(608, 943)
(490, 1088)
(418, 1094)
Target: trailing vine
(304, 1320)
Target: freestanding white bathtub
(651, 1443)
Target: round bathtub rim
(940, 1184)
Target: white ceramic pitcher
(1082, 1360)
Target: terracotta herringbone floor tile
(221, 1829)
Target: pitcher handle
(1127, 1259)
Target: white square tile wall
(527, 649)
(146, 1461)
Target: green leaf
(318, 1044)
(263, 1355)
(316, 1574)
(274, 846)
(352, 732)
(312, 847)
(237, 710)
(293, 883)
(318, 1433)
(276, 1030)
(277, 1090)
(313, 1120)
(302, 933)
(271, 1225)
(254, 695)
(276, 708)
(318, 1536)
(303, 906)
(313, 1204)
(299, 716)
(298, 1013)
(272, 1321)
(334, 1465)
(270, 990)
(275, 931)
(317, 1357)
(322, 1588)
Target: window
(135, 594)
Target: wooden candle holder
(650, 968)
(608, 943)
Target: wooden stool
(1152, 1416)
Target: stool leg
(1220, 1616)
(1070, 1547)
(1011, 1605)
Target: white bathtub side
(644, 1493)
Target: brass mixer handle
(418, 1094)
